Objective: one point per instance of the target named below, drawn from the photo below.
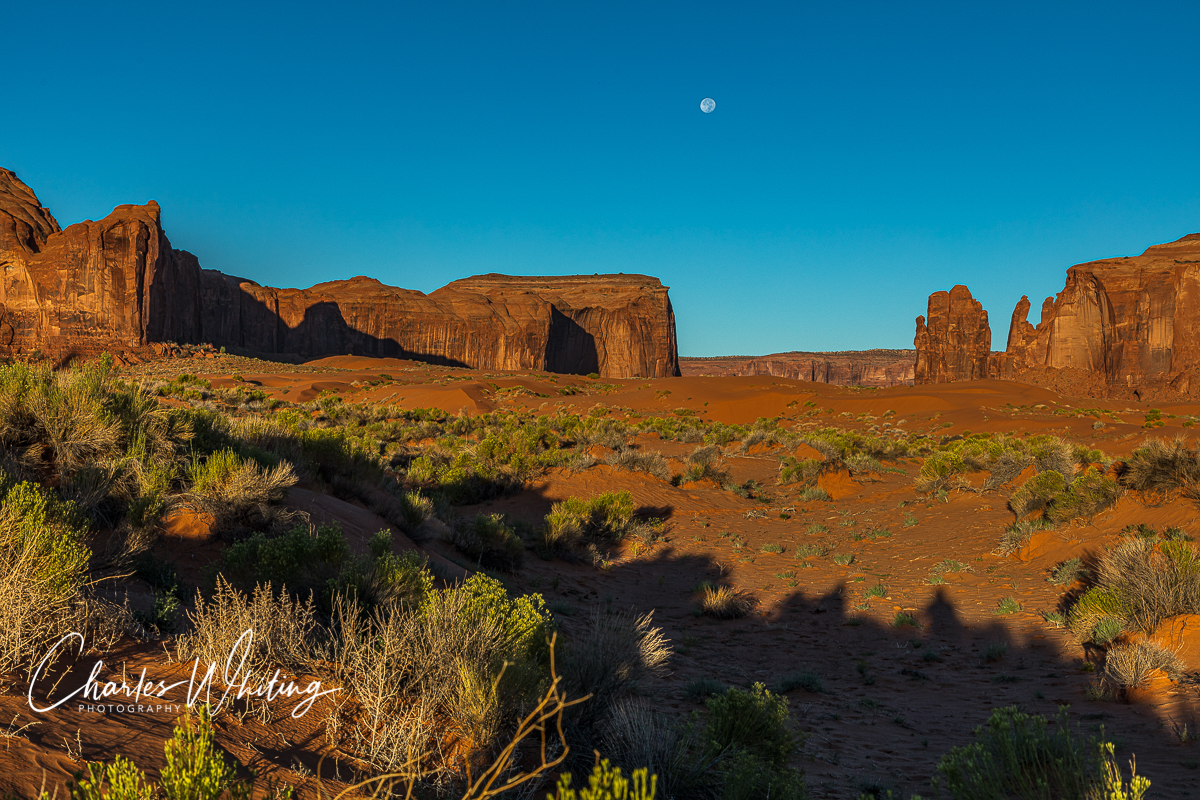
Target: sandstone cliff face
(1132, 320)
(848, 368)
(614, 325)
(955, 344)
(118, 284)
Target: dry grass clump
(726, 602)
(799, 470)
(1141, 582)
(1130, 664)
(284, 629)
(234, 489)
(1159, 466)
(652, 463)
(610, 657)
(636, 733)
(489, 541)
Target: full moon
(707, 105)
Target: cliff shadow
(880, 694)
(570, 349)
(323, 331)
(245, 323)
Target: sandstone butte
(873, 368)
(1127, 325)
(955, 342)
(117, 285)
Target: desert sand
(886, 701)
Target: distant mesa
(1125, 326)
(877, 368)
(118, 285)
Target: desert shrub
(726, 602)
(1107, 629)
(195, 769)
(861, 464)
(1037, 493)
(524, 621)
(234, 489)
(1150, 581)
(574, 523)
(464, 665)
(1019, 756)
(721, 434)
(1161, 466)
(1094, 605)
(44, 561)
(459, 478)
(747, 777)
(388, 578)
(809, 681)
(652, 463)
(799, 470)
(754, 721)
(764, 431)
(488, 541)
(1016, 535)
(701, 688)
(938, 469)
(1051, 454)
(705, 462)
(302, 558)
(283, 628)
(1085, 456)
(1087, 495)
(406, 510)
(1131, 664)
(814, 493)
(1006, 467)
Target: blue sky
(861, 155)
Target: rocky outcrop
(847, 368)
(1133, 320)
(955, 343)
(118, 284)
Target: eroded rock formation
(118, 284)
(955, 343)
(1132, 320)
(847, 368)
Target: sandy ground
(891, 700)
